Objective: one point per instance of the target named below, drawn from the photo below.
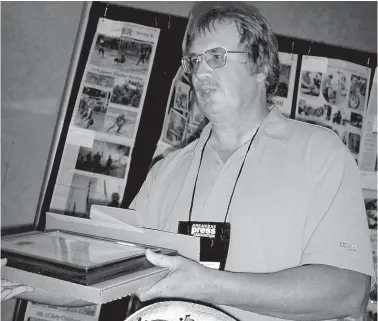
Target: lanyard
(236, 181)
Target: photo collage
(333, 94)
(109, 106)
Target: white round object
(178, 311)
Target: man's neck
(231, 133)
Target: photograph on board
(175, 131)
(127, 92)
(283, 82)
(120, 122)
(122, 53)
(310, 83)
(335, 87)
(103, 158)
(92, 109)
(357, 92)
(100, 80)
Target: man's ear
(262, 74)
(261, 77)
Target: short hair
(115, 196)
(256, 37)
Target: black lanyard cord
(236, 181)
(195, 183)
(240, 170)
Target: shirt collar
(275, 127)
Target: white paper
(317, 64)
(125, 218)
(80, 137)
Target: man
(108, 166)
(101, 48)
(286, 194)
(87, 117)
(142, 56)
(115, 200)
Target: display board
(104, 81)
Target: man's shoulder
(182, 153)
(314, 134)
(300, 134)
(317, 145)
(175, 158)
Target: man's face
(230, 89)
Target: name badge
(214, 243)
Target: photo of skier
(120, 122)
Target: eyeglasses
(215, 58)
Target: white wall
(37, 44)
(37, 40)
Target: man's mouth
(205, 90)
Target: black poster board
(167, 61)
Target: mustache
(201, 85)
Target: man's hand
(187, 279)
(11, 289)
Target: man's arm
(311, 292)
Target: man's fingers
(5, 293)
(149, 293)
(9, 283)
(143, 296)
(161, 259)
(3, 262)
(9, 293)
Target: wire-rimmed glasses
(215, 58)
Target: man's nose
(203, 69)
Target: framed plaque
(74, 257)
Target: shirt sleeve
(336, 222)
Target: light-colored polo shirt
(298, 200)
